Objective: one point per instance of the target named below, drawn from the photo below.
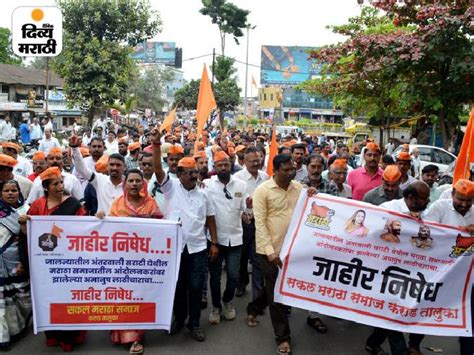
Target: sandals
(137, 348)
(317, 324)
(283, 348)
(252, 321)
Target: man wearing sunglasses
(227, 193)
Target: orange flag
(466, 154)
(254, 83)
(206, 103)
(168, 122)
(273, 152)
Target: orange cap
(11, 145)
(101, 165)
(55, 151)
(465, 187)
(406, 146)
(6, 160)
(84, 152)
(219, 156)
(188, 163)
(404, 156)
(201, 146)
(50, 173)
(176, 149)
(38, 156)
(240, 148)
(123, 140)
(134, 146)
(339, 164)
(287, 144)
(372, 146)
(201, 154)
(391, 173)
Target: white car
(431, 155)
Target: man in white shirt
(96, 150)
(48, 142)
(111, 144)
(298, 152)
(389, 147)
(414, 202)
(101, 122)
(108, 187)
(35, 132)
(252, 177)
(23, 166)
(7, 131)
(186, 202)
(457, 212)
(227, 194)
(72, 186)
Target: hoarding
(155, 52)
(282, 65)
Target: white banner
(360, 262)
(115, 273)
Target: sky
(279, 22)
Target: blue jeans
(187, 299)
(231, 255)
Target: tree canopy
(229, 18)
(95, 63)
(6, 53)
(415, 60)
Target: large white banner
(360, 262)
(115, 273)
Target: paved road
(235, 337)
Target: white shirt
(446, 191)
(71, 186)
(7, 131)
(301, 174)
(157, 195)
(228, 220)
(106, 190)
(192, 208)
(405, 184)
(90, 163)
(399, 206)
(46, 144)
(111, 147)
(442, 211)
(251, 182)
(23, 167)
(86, 140)
(389, 147)
(36, 132)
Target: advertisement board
(282, 65)
(155, 52)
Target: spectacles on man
(227, 194)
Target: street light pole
(247, 74)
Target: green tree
(6, 53)
(229, 19)
(95, 63)
(150, 88)
(421, 52)
(187, 96)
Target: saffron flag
(168, 122)
(273, 152)
(254, 83)
(466, 154)
(206, 103)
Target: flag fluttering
(466, 153)
(206, 103)
(273, 152)
(168, 122)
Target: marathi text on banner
(116, 273)
(360, 262)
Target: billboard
(155, 52)
(281, 65)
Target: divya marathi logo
(37, 31)
(319, 217)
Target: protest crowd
(233, 192)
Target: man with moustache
(389, 190)
(227, 193)
(39, 165)
(202, 165)
(367, 177)
(145, 162)
(297, 153)
(186, 202)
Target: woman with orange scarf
(135, 202)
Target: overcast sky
(279, 22)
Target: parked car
(431, 155)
